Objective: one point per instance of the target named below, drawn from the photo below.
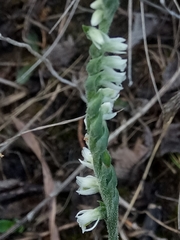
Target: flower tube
(87, 185)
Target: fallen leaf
(33, 144)
(150, 24)
(62, 53)
(125, 158)
(171, 141)
(169, 71)
(128, 160)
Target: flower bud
(97, 17)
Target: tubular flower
(106, 109)
(87, 185)
(110, 95)
(97, 17)
(96, 4)
(104, 42)
(114, 62)
(86, 217)
(96, 36)
(88, 160)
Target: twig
(144, 110)
(160, 223)
(154, 5)
(172, 13)
(130, 18)
(10, 141)
(42, 127)
(10, 83)
(62, 16)
(177, 5)
(40, 57)
(29, 217)
(147, 53)
(43, 57)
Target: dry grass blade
(11, 84)
(147, 54)
(12, 98)
(33, 144)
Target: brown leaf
(33, 144)
(137, 33)
(125, 158)
(171, 141)
(63, 53)
(169, 71)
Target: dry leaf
(169, 71)
(63, 53)
(171, 141)
(125, 159)
(33, 144)
(150, 24)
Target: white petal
(106, 109)
(96, 17)
(88, 160)
(96, 4)
(110, 95)
(86, 217)
(115, 45)
(109, 84)
(87, 185)
(96, 37)
(114, 62)
(109, 116)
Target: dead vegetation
(42, 103)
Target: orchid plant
(104, 82)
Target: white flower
(97, 4)
(86, 217)
(88, 160)
(102, 40)
(112, 79)
(96, 36)
(106, 109)
(114, 62)
(97, 17)
(114, 45)
(87, 185)
(110, 95)
(113, 76)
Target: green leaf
(20, 79)
(106, 158)
(33, 41)
(5, 225)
